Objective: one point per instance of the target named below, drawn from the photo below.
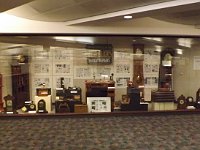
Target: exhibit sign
(99, 60)
(105, 57)
(99, 104)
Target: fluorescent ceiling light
(153, 39)
(85, 40)
(186, 42)
(128, 17)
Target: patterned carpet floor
(156, 132)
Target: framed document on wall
(99, 104)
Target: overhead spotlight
(128, 17)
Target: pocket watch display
(24, 109)
(32, 106)
(29, 107)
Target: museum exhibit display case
(51, 74)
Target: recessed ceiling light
(128, 17)
(179, 51)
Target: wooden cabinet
(102, 88)
(20, 86)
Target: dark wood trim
(111, 114)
